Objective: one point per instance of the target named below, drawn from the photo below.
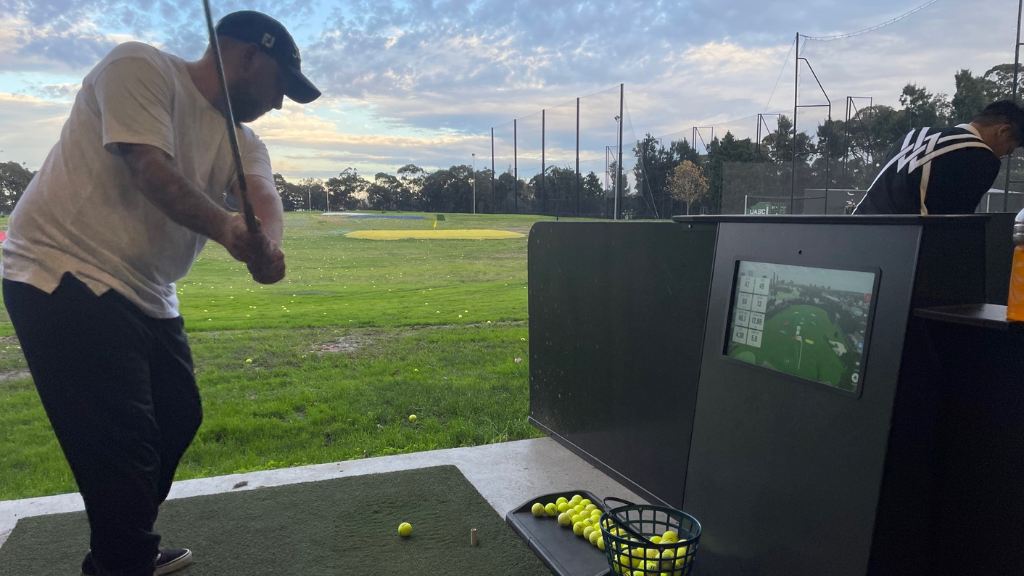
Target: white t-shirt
(81, 213)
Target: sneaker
(167, 561)
(172, 560)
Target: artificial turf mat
(343, 526)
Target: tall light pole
(474, 182)
(618, 168)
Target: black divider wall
(617, 316)
(785, 475)
(951, 269)
(981, 443)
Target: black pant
(120, 391)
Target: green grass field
(817, 361)
(360, 335)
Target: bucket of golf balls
(646, 540)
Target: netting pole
(577, 156)
(515, 162)
(796, 106)
(618, 165)
(494, 194)
(1016, 74)
(846, 142)
(828, 155)
(757, 142)
(543, 167)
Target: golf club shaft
(247, 213)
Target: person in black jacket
(949, 170)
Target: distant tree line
(443, 190)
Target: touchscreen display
(808, 322)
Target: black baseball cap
(274, 39)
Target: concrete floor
(507, 475)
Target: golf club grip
(247, 213)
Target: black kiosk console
(817, 429)
(855, 410)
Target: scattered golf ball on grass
(404, 529)
(412, 417)
(248, 360)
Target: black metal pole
(577, 156)
(515, 162)
(757, 143)
(796, 105)
(846, 145)
(1016, 74)
(828, 155)
(618, 170)
(494, 194)
(543, 168)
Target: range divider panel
(616, 323)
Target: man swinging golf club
(119, 211)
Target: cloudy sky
(424, 81)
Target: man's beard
(244, 106)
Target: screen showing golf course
(808, 322)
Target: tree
(680, 150)
(449, 190)
(411, 176)
(1001, 78)
(315, 192)
(687, 183)
(385, 193)
(559, 189)
(14, 179)
(779, 143)
(291, 196)
(504, 189)
(345, 189)
(591, 186)
(654, 165)
(973, 93)
(648, 172)
(924, 109)
(729, 150)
